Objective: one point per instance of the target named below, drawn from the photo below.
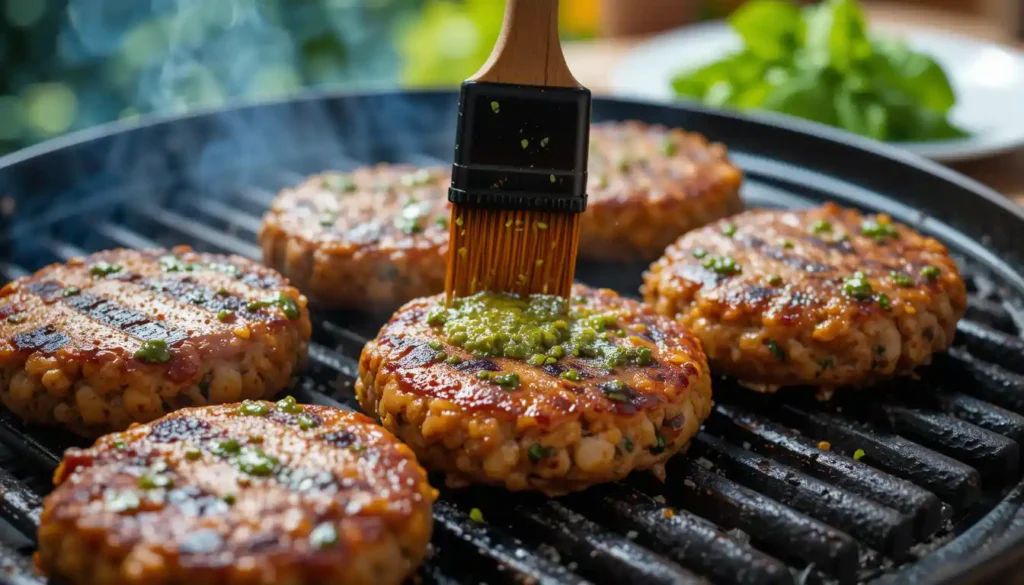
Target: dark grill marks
(181, 428)
(186, 290)
(107, 312)
(786, 258)
(45, 339)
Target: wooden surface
(527, 50)
(593, 61)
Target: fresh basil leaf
(862, 114)
(697, 82)
(836, 34)
(771, 29)
(915, 73)
(807, 96)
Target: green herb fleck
(571, 375)
(192, 453)
(821, 227)
(699, 253)
(729, 229)
(544, 142)
(441, 222)
(288, 405)
(643, 356)
(104, 269)
(253, 408)
(71, 291)
(229, 499)
(884, 302)
(930, 272)
(284, 302)
(778, 352)
(668, 146)
(825, 364)
(879, 231)
(627, 444)
(541, 225)
(224, 315)
(551, 178)
(722, 265)
(339, 183)
(659, 446)
(509, 380)
(859, 454)
(476, 515)
(786, 244)
(307, 421)
(538, 452)
(255, 462)
(154, 351)
(148, 482)
(495, 107)
(774, 280)
(524, 143)
(458, 221)
(227, 447)
(857, 287)
(325, 535)
(901, 279)
(120, 445)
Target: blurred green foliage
(818, 62)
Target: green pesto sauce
(540, 329)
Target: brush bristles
(521, 252)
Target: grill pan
(938, 498)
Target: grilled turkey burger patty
(536, 394)
(246, 494)
(822, 296)
(373, 238)
(126, 336)
(378, 236)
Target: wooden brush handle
(528, 51)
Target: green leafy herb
(722, 265)
(104, 269)
(818, 62)
(524, 143)
(729, 229)
(774, 280)
(777, 351)
(284, 302)
(288, 405)
(699, 253)
(901, 279)
(877, 230)
(253, 408)
(538, 452)
(821, 227)
(153, 481)
(339, 183)
(224, 315)
(192, 453)
(441, 222)
(859, 454)
(659, 446)
(884, 302)
(255, 462)
(71, 291)
(930, 272)
(857, 287)
(476, 515)
(307, 421)
(495, 107)
(571, 375)
(154, 351)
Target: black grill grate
(757, 500)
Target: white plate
(988, 80)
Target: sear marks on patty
(239, 492)
(112, 303)
(823, 296)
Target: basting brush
(520, 172)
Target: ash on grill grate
(766, 503)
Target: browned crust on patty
(787, 319)
(372, 238)
(215, 523)
(476, 431)
(69, 336)
(648, 185)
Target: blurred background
(70, 64)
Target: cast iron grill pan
(756, 501)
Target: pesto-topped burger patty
(536, 393)
(650, 184)
(372, 238)
(822, 296)
(127, 336)
(255, 493)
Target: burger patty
(373, 238)
(650, 184)
(822, 296)
(480, 409)
(250, 493)
(378, 236)
(127, 336)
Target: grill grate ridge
(886, 502)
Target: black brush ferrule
(521, 147)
